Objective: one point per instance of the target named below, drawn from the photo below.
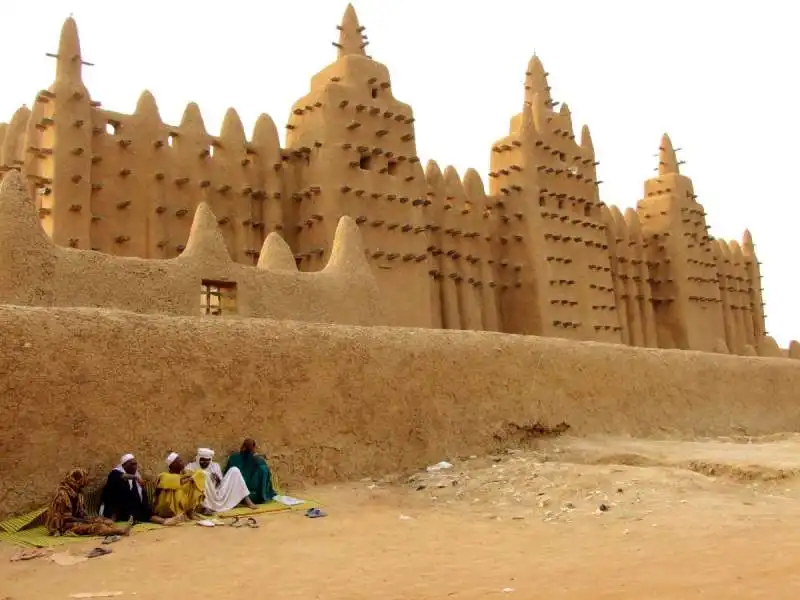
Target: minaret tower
(554, 263)
(683, 269)
(60, 148)
(351, 151)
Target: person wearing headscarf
(124, 495)
(223, 492)
(179, 494)
(255, 470)
(67, 515)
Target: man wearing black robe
(124, 495)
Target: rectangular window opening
(392, 167)
(365, 162)
(218, 298)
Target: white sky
(718, 76)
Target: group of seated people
(182, 492)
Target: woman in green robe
(255, 471)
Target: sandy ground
(569, 518)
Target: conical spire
(667, 161)
(192, 118)
(347, 253)
(736, 251)
(747, 242)
(232, 128)
(13, 147)
(607, 217)
(276, 255)
(586, 140)
(146, 105)
(632, 221)
(433, 174)
(265, 135)
(452, 183)
(566, 117)
(205, 241)
(620, 226)
(536, 82)
(473, 186)
(724, 250)
(69, 62)
(351, 36)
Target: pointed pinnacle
(351, 38)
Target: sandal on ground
(30, 554)
(251, 522)
(206, 523)
(315, 513)
(176, 520)
(110, 539)
(236, 522)
(95, 552)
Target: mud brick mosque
(343, 224)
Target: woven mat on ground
(28, 529)
(37, 537)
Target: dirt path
(524, 522)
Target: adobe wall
(540, 254)
(34, 271)
(331, 402)
(127, 185)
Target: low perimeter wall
(83, 386)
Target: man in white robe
(222, 492)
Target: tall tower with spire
(553, 254)
(351, 150)
(61, 122)
(683, 269)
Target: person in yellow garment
(179, 494)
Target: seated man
(222, 492)
(67, 516)
(255, 471)
(178, 494)
(124, 495)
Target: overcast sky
(719, 76)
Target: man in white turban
(124, 496)
(222, 492)
(179, 492)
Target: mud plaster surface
(33, 271)
(540, 253)
(82, 386)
